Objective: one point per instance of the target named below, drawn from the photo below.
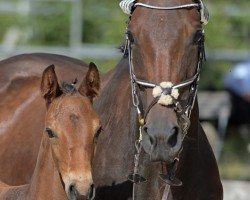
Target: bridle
(164, 90)
(185, 112)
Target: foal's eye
(98, 132)
(50, 133)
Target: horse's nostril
(172, 141)
(91, 192)
(72, 190)
(152, 140)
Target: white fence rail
(102, 51)
(83, 51)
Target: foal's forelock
(68, 88)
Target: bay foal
(63, 168)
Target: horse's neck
(45, 182)
(105, 78)
(197, 168)
(115, 148)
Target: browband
(128, 7)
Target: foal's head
(164, 48)
(71, 125)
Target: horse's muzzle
(73, 193)
(162, 146)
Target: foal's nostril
(72, 190)
(172, 141)
(91, 192)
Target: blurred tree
(50, 23)
(103, 22)
(230, 24)
(229, 28)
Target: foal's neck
(46, 182)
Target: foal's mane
(69, 88)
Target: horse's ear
(49, 86)
(91, 84)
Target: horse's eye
(199, 35)
(98, 132)
(50, 133)
(130, 36)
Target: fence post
(76, 25)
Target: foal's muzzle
(73, 193)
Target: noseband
(166, 93)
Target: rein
(166, 93)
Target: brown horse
(165, 45)
(63, 168)
(22, 110)
(164, 51)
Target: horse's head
(71, 125)
(162, 45)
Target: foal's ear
(91, 84)
(49, 86)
